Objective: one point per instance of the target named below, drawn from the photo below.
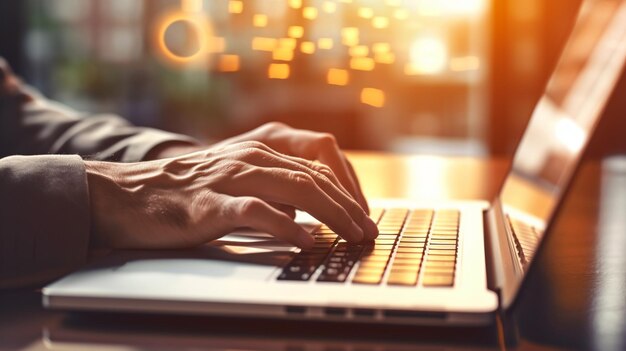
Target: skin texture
(188, 196)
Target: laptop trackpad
(244, 253)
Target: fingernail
(371, 228)
(356, 233)
(305, 239)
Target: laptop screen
(564, 118)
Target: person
(70, 184)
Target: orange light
(295, 4)
(282, 54)
(373, 97)
(295, 32)
(366, 12)
(216, 44)
(359, 51)
(202, 28)
(325, 43)
(263, 44)
(287, 43)
(380, 48)
(235, 6)
(309, 13)
(467, 63)
(191, 5)
(337, 76)
(278, 71)
(401, 14)
(452, 7)
(259, 20)
(362, 63)
(307, 47)
(380, 22)
(329, 7)
(228, 63)
(350, 36)
(428, 55)
(385, 57)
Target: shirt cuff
(44, 218)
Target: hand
(308, 145)
(198, 197)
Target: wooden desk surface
(575, 299)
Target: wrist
(102, 192)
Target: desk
(576, 297)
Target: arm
(32, 125)
(44, 200)
(255, 180)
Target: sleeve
(44, 217)
(44, 200)
(31, 124)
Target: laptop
(452, 263)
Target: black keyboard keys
(306, 262)
(340, 263)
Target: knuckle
(327, 139)
(230, 169)
(301, 178)
(325, 171)
(250, 207)
(248, 153)
(276, 125)
(356, 209)
(253, 144)
(251, 154)
(343, 217)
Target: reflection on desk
(124, 332)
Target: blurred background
(455, 77)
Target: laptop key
(442, 252)
(435, 280)
(443, 247)
(412, 262)
(297, 273)
(410, 250)
(402, 278)
(445, 258)
(367, 278)
(447, 264)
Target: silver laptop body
(251, 274)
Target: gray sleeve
(44, 200)
(32, 125)
(44, 218)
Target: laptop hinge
(504, 273)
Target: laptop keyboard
(526, 239)
(413, 247)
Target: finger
(299, 189)
(254, 213)
(314, 146)
(288, 210)
(308, 164)
(323, 147)
(355, 178)
(333, 157)
(262, 155)
(324, 178)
